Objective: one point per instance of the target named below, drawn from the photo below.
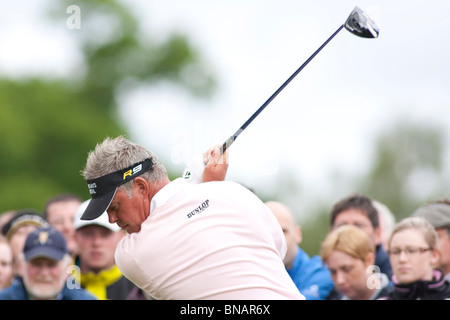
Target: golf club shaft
(232, 138)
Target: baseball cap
(45, 242)
(103, 189)
(437, 213)
(102, 220)
(23, 218)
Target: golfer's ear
(141, 185)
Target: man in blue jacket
(44, 262)
(311, 277)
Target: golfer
(213, 240)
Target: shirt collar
(167, 192)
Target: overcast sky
(326, 119)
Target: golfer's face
(128, 213)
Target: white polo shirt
(214, 240)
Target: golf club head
(359, 23)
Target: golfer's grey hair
(118, 153)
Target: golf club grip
(231, 139)
(227, 144)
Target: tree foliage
(407, 167)
(49, 125)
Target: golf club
(357, 23)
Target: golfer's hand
(216, 164)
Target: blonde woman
(350, 256)
(414, 253)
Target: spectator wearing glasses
(438, 214)
(414, 254)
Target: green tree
(48, 125)
(46, 133)
(117, 51)
(407, 168)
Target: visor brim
(98, 205)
